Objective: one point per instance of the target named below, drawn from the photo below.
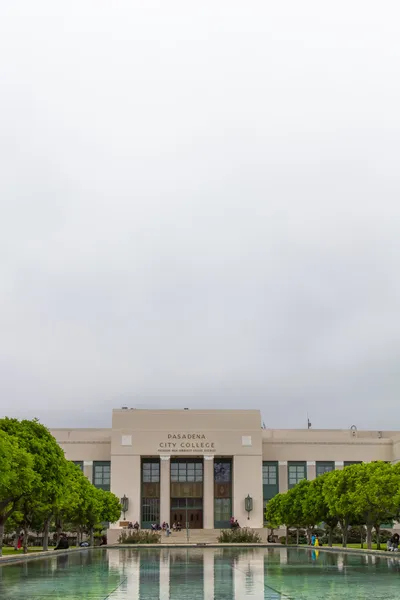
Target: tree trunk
(297, 536)
(378, 536)
(369, 536)
(17, 535)
(46, 534)
(287, 536)
(1, 536)
(330, 536)
(25, 539)
(344, 525)
(58, 530)
(91, 536)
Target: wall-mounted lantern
(124, 505)
(248, 505)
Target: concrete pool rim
(14, 559)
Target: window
(296, 472)
(222, 509)
(186, 472)
(151, 472)
(222, 472)
(151, 510)
(78, 463)
(270, 473)
(325, 467)
(102, 475)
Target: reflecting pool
(199, 574)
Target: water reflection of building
(199, 574)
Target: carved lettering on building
(186, 442)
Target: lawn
(358, 546)
(8, 550)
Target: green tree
(291, 509)
(339, 492)
(376, 494)
(316, 509)
(273, 512)
(49, 464)
(17, 477)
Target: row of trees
(363, 494)
(40, 489)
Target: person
(62, 543)
(174, 526)
(313, 539)
(316, 542)
(178, 526)
(232, 522)
(130, 526)
(103, 540)
(236, 525)
(393, 543)
(136, 526)
(153, 527)
(84, 544)
(19, 543)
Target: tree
(316, 509)
(376, 495)
(292, 509)
(49, 464)
(17, 477)
(339, 493)
(273, 512)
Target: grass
(358, 546)
(8, 550)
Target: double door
(187, 510)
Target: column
(164, 573)
(311, 469)
(208, 573)
(165, 489)
(208, 492)
(88, 469)
(283, 476)
(339, 465)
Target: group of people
(234, 523)
(393, 543)
(315, 540)
(136, 526)
(176, 526)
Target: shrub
(139, 537)
(239, 536)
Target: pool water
(202, 574)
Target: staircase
(196, 536)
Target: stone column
(283, 476)
(208, 492)
(88, 469)
(165, 489)
(311, 470)
(164, 573)
(208, 573)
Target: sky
(199, 207)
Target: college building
(202, 467)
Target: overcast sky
(200, 207)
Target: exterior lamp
(248, 505)
(124, 505)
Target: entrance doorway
(184, 510)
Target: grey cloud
(200, 208)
